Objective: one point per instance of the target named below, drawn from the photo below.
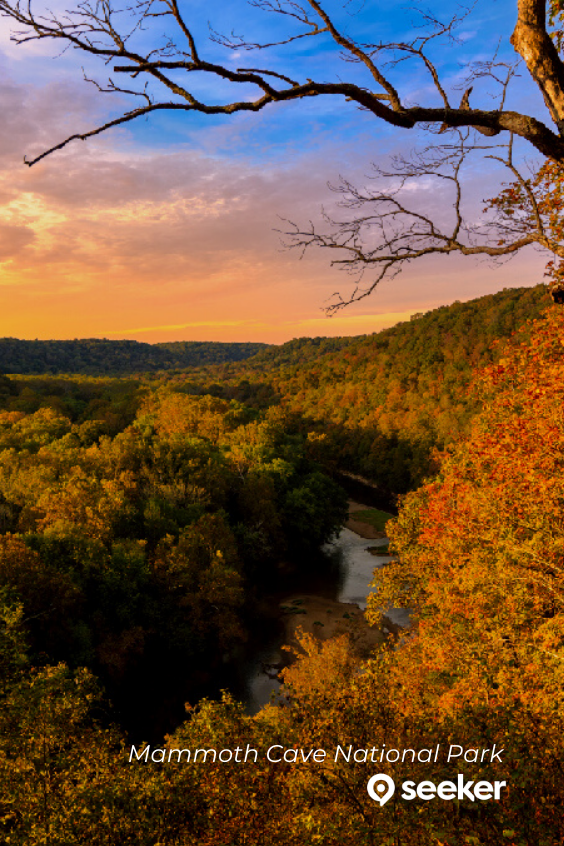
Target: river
(347, 578)
(336, 588)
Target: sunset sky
(166, 229)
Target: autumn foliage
(479, 562)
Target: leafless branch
(98, 28)
(385, 232)
(380, 234)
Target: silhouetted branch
(104, 31)
(383, 233)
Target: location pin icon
(381, 788)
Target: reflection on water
(261, 684)
(347, 578)
(356, 565)
(357, 571)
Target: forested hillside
(147, 548)
(99, 357)
(381, 403)
(376, 405)
(143, 546)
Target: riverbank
(327, 618)
(328, 605)
(362, 527)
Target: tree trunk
(531, 40)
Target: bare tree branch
(99, 29)
(387, 234)
(384, 233)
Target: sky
(171, 228)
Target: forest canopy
(380, 404)
(118, 551)
(99, 357)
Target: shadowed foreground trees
(144, 552)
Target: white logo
(381, 788)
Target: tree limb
(93, 29)
(387, 235)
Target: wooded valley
(144, 519)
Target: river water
(350, 570)
(344, 575)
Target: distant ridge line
(104, 357)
